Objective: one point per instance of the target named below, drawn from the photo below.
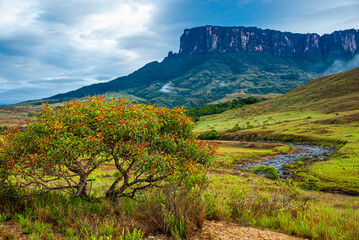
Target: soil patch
(230, 231)
(10, 230)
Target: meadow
(230, 196)
(339, 173)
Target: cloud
(342, 66)
(71, 44)
(166, 88)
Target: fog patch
(222, 84)
(166, 88)
(342, 66)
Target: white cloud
(166, 88)
(62, 39)
(16, 15)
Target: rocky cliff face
(339, 44)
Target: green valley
(324, 111)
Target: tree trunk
(82, 186)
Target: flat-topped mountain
(220, 63)
(311, 46)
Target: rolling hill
(332, 93)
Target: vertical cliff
(313, 47)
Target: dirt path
(230, 231)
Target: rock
(310, 46)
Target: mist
(342, 66)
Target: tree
(63, 145)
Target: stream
(312, 152)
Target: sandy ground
(228, 231)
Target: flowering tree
(64, 145)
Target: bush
(264, 171)
(235, 128)
(253, 205)
(209, 135)
(62, 147)
(177, 210)
(220, 107)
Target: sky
(54, 46)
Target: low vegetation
(281, 206)
(178, 209)
(264, 171)
(220, 107)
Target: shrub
(209, 135)
(220, 107)
(253, 205)
(62, 147)
(264, 171)
(235, 128)
(177, 210)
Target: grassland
(242, 198)
(340, 172)
(324, 111)
(14, 116)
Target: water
(313, 153)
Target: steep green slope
(200, 79)
(333, 93)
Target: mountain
(311, 46)
(216, 63)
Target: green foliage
(135, 235)
(4, 128)
(177, 227)
(220, 107)
(235, 128)
(31, 114)
(209, 135)
(177, 210)
(63, 146)
(264, 171)
(4, 217)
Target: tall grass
(281, 206)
